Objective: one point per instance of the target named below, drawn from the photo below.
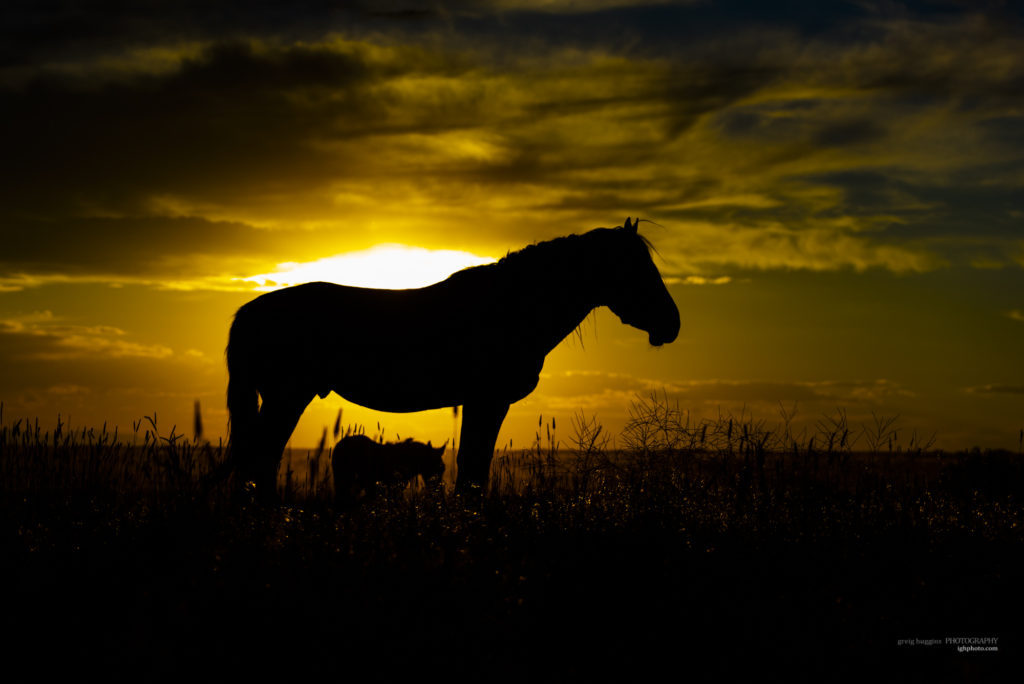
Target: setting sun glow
(390, 266)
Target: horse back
(392, 350)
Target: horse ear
(632, 227)
(429, 444)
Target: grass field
(727, 547)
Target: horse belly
(402, 387)
(401, 384)
(401, 399)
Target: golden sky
(837, 188)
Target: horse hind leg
(480, 425)
(279, 414)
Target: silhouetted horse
(359, 463)
(477, 340)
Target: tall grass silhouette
(732, 542)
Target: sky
(835, 190)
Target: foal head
(427, 460)
(632, 287)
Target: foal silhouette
(477, 340)
(361, 464)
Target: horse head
(633, 288)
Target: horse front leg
(279, 414)
(481, 422)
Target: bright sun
(389, 266)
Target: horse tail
(243, 396)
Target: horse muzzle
(663, 335)
(658, 339)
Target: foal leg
(481, 422)
(279, 414)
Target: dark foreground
(127, 563)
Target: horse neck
(557, 302)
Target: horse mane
(549, 254)
(555, 254)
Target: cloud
(774, 392)
(699, 280)
(161, 252)
(709, 247)
(224, 123)
(68, 390)
(575, 7)
(997, 389)
(42, 336)
(592, 388)
(153, 151)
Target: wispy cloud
(54, 339)
(997, 389)
(699, 280)
(620, 389)
(222, 283)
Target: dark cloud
(228, 121)
(692, 93)
(853, 132)
(869, 191)
(971, 204)
(801, 123)
(280, 115)
(55, 30)
(152, 247)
